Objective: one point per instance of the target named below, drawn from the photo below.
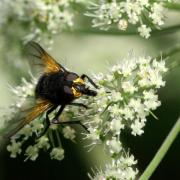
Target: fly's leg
(55, 119)
(83, 76)
(47, 121)
(79, 104)
(75, 122)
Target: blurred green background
(90, 52)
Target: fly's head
(79, 86)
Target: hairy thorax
(55, 88)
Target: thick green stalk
(173, 6)
(161, 152)
(96, 31)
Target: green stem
(51, 137)
(96, 31)
(161, 152)
(173, 6)
(172, 51)
(58, 138)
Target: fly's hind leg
(47, 121)
(55, 119)
(76, 122)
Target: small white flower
(135, 104)
(114, 109)
(144, 61)
(69, 133)
(144, 31)
(157, 14)
(133, 18)
(127, 86)
(151, 104)
(122, 24)
(131, 173)
(93, 135)
(57, 153)
(159, 65)
(128, 113)
(14, 148)
(115, 96)
(126, 67)
(128, 160)
(43, 142)
(137, 127)
(37, 126)
(116, 170)
(151, 100)
(116, 126)
(32, 152)
(156, 79)
(143, 2)
(150, 95)
(114, 146)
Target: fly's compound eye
(71, 77)
(79, 87)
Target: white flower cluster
(144, 14)
(119, 170)
(127, 95)
(42, 143)
(42, 18)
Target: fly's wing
(18, 122)
(40, 57)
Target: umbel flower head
(120, 169)
(127, 95)
(143, 14)
(43, 18)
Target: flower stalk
(165, 30)
(161, 152)
(173, 6)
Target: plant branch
(90, 30)
(174, 6)
(161, 152)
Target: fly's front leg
(83, 76)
